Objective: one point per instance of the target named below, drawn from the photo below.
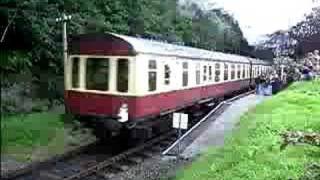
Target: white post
(179, 136)
(65, 48)
(64, 20)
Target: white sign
(180, 121)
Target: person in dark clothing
(258, 83)
(276, 84)
(306, 73)
(264, 84)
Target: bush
(22, 93)
(14, 61)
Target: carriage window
(233, 71)
(256, 71)
(239, 71)
(217, 72)
(167, 73)
(226, 72)
(75, 72)
(210, 73)
(248, 71)
(198, 74)
(152, 64)
(185, 74)
(97, 74)
(243, 71)
(152, 75)
(260, 70)
(204, 73)
(122, 75)
(253, 72)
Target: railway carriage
(119, 82)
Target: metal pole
(64, 20)
(179, 135)
(65, 47)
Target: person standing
(263, 85)
(258, 85)
(317, 61)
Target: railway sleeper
(127, 162)
(120, 168)
(156, 148)
(105, 175)
(136, 159)
(165, 143)
(148, 153)
(49, 176)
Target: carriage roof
(115, 44)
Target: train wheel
(102, 134)
(99, 128)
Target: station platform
(216, 132)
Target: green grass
(20, 135)
(39, 136)
(253, 149)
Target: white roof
(141, 45)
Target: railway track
(132, 156)
(94, 164)
(103, 163)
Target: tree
(36, 36)
(290, 42)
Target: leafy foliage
(300, 137)
(312, 172)
(292, 41)
(33, 23)
(12, 61)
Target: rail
(119, 157)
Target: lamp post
(64, 20)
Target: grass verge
(37, 136)
(253, 149)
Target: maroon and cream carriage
(121, 82)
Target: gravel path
(156, 168)
(222, 126)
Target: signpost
(180, 121)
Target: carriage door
(167, 74)
(166, 84)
